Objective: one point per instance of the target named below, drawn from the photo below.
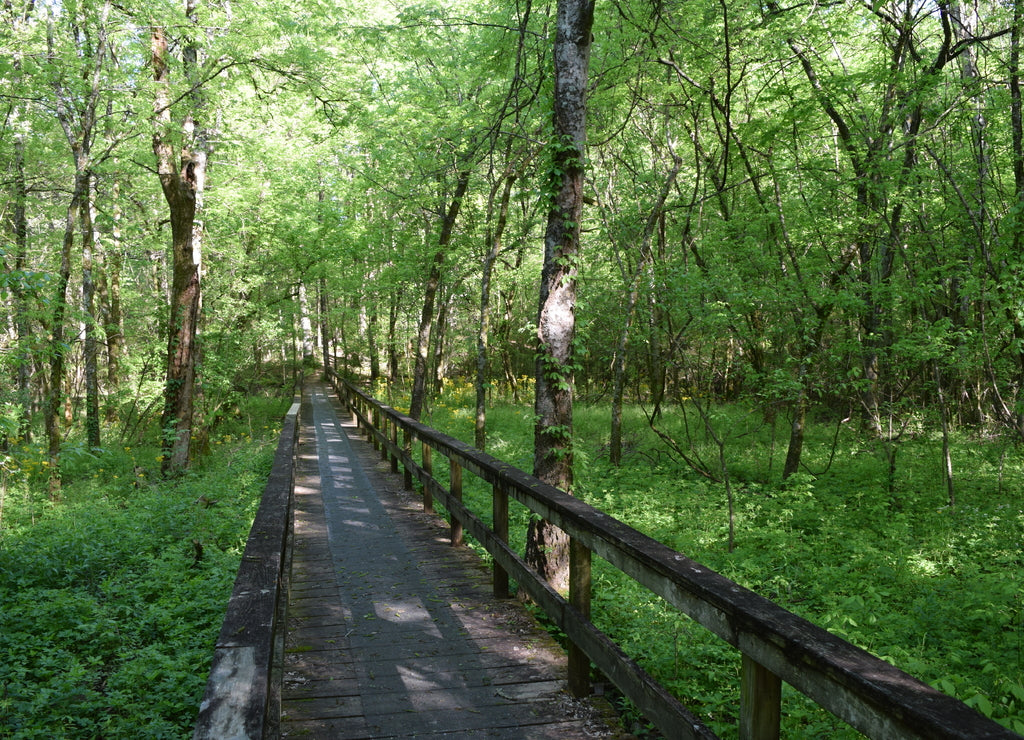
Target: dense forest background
(811, 208)
(802, 223)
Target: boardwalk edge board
(240, 697)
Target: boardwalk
(391, 632)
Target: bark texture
(547, 547)
(181, 179)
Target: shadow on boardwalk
(391, 632)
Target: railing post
(407, 449)
(760, 702)
(394, 446)
(579, 597)
(382, 425)
(499, 515)
(455, 488)
(428, 468)
(374, 426)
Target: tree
(493, 242)
(450, 214)
(16, 220)
(77, 109)
(547, 548)
(181, 168)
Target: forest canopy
(812, 207)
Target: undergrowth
(111, 598)
(872, 552)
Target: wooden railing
(242, 698)
(776, 645)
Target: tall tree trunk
(797, 425)
(90, 353)
(656, 329)
(325, 327)
(505, 331)
(21, 321)
(394, 369)
(1014, 412)
(1017, 120)
(547, 547)
(419, 378)
(182, 180)
(114, 315)
(58, 346)
(372, 313)
(306, 325)
(644, 264)
(1016, 117)
(19, 230)
(947, 457)
(494, 237)
(76, 112)
(439, 334)
(373, 348)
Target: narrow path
(391, 632)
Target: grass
(111, 599)
(882, 561)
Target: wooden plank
(455, 489)
(240, 700)
(579, 598)
(428, 471)
(760, 702)
(407, 459)
(395, 451)
(427, 652)
(499, 517)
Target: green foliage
(110, 601)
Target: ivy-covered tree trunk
(547, 547)
(181, 179)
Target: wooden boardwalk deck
(391, 632)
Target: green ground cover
(934, 589)
(111, 598)
(108, 613)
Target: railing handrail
(242, 698)
(866, 692)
